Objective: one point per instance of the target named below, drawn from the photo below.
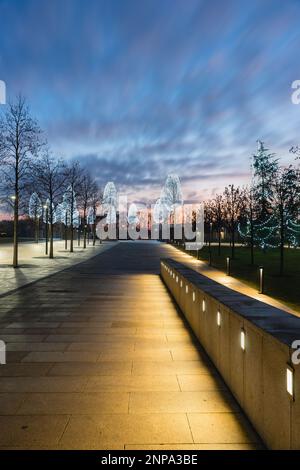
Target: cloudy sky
(137, 89)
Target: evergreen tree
(265, 167)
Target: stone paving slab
(100, 358)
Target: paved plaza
(100, 358)
(34, 264)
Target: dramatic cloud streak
(137, 89)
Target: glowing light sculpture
(171, 194)
(91, 216)
(35, 206)
(133, 214)
(110, 196)
(35, 211)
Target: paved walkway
(34, 264)
(99, 358)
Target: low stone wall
(250, 344)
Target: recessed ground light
(186, 289)
(243, 339)
(203, 305)
(290, 381)
(218, 318)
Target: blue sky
(137, 89)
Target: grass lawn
(285, 289)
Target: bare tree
(49, 175)
(286, 201)
(209, 219)
(218, 216)
(74, 179)
(95, 203)
(86, 192)
(233, 204)
(20, 141)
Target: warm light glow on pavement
(229, 281)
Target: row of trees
(26, 162)
(266, 213)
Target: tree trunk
(71, 238)
(71, 224)
(84, 236)
(232, 242)
(281, 268)
(94, 234)
(84, 227)
(47, 232)
(66, 232)
(252, 242)
(16, 223)
(51, 255)
(219, 240)
(36, 225)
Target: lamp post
(66, 230)
(210, 237)
(261, 271)
(46, 218)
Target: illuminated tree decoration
(46, 213)
(91, 216)
(35, 207)
(293, 233)
(171, 195)
(111, 215)
(160, 212)
(76, 218)
(110, 196)
(110, 203)
(133, 214)
(69, 201)
(265, 234)
(60, 213)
